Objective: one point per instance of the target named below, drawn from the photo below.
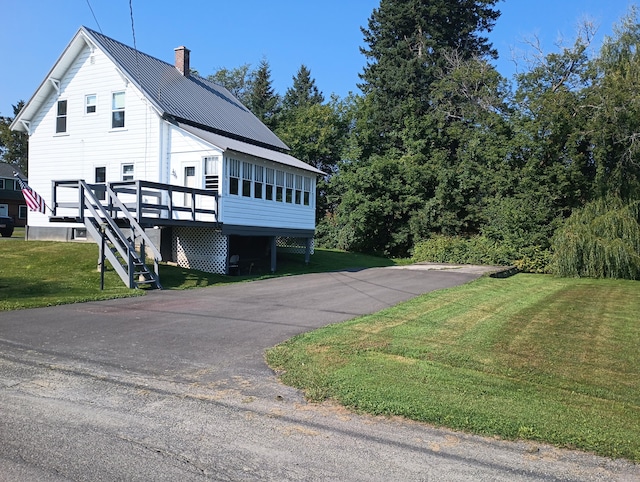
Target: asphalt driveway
(173, 386)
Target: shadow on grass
(175, 277)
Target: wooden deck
(150, 203)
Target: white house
(162, 148)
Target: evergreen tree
(407, 41)
(303, 92)
(262, 100)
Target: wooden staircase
(128, 261)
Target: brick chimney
(182, 60)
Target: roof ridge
(205, 79)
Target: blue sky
(322, 34)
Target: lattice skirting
(293, 245)
(204, 249)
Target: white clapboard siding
(90, 141)
(189, 150)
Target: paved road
(173, 386)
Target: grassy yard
(531, 357)
(41, 273)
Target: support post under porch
(274, 254)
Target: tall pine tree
(262, 99)
(407, 43)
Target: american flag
(33, 199)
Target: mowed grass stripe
(531, 356)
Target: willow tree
(601, 240)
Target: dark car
(6, 226)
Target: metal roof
(228, 144)
(191, 98)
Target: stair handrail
(113, 197)
(88, 193)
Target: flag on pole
(33, 199)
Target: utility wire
(94, 16)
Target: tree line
(440, 149)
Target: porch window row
(251, 180)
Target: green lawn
(531, 357)
(44, 273)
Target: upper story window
(2, 184)
(127, 172)
(61, 117)
(117, 110)
(90, 103)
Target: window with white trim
(234, 176)
(211, 177)
(101, 178)
(22, 212)
(258, 181)
(279, 186)
(127, 172)
(298, 191)
(61, 117)
(2, 184)
(247, 176)
(307, 185)
(90, 103)
(117, 110)
(289, 192)
(271, 180)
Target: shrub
(481, 250)
(601, 240)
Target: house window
(289, 192)
(117, 110)
(211, 179)
(259, 181)
(234, 176)
(298, 192)
(61, 117)
(127, 172)
(90, 102)
(22, 212)
(4, 209)
(279, 186)
(2, 184)
(79, 233)
(101, 178)
(247, 176)
(16, 185)
(270, 178)
(306, 199)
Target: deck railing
(145, 200)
